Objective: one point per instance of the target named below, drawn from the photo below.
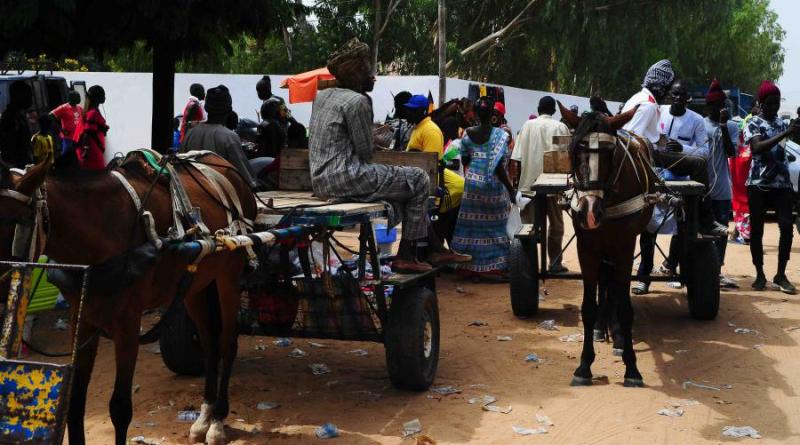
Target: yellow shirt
(427, 137)
(42, 146)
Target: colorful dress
(481, 227)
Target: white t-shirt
(689, 130)
(535, 138)
(645, 121)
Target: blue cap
(417, 101)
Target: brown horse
(92, 219)
(611, 180)
(462, 109)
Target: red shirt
(94, 129)
(70, 117)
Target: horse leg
(228, 294)
(201, 311)
(583, 375)
(126, 349)
(82, 373)
(603, 304)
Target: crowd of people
(482, 163)
(483, 166)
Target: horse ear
(569, 117)
(34, 178)
(619, 121)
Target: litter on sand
(282, 342)
(261, 347)
(681, 351)
(460, 290)
(479, 386)
(671, 412)
(497, 409)
(187, 416)
(327, 431)
(528, 431)
(314, 344)
(319, 368)
(740, 431)
(534, 357)
(690, 384)
(544, 420)
(141, 440)
(548, 325)
(572, 338)
(745, 331)
(446, 390)
(264, 406)
(358, 352)
(297, 353)
(478, 323)
(503, 338)
(411, 428)
(485, 400)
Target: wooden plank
(551, 183)
(295, 170)
(562, 140)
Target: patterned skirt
(481, 227)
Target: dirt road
(756, 373)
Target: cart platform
(302, 207)
(552, 183)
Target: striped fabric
(481, 227)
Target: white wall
(128, 107)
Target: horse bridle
(590, 183)
(30, 230)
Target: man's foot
(409, 266)
(640, 288)
(727, 283)
(558, 268)
(714, 230)
(441, 258)
(760, 283)
(782, 284)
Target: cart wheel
(700, 270)
(180, 348)
(524, 271)
(412, 339)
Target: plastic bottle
(327, 431)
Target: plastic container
(385, 238)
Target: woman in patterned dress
(481, 227)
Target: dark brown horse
(462, 109)
(611, 180)
(93, 219)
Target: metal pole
(376, 38)
(442, 52)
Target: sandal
(640, 288)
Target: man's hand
(674, 146)
(724, 116)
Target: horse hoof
(599, 335)
(199, 429)
(633, 383)
(216, 433)
(581, 381)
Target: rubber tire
(405, 339)
(524, 279)
(180, 348)
(701, 273)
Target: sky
(789, 19)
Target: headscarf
(715, 93)
(218, 100)
(767, 88)
(660, 75)
(345, 61)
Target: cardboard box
(557, 162)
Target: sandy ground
(760, 368)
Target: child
(42, 141)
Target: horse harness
(591, 185)
(30, 231)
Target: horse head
(595, 161)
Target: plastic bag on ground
(741, 431)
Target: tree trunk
(164, 56)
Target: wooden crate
(295, 173)
(557, 162)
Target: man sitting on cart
(340, 153)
